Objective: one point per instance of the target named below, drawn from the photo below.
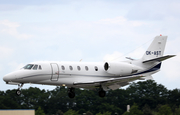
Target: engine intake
(120, 68)
(106, 66)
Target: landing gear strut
(71, 93)
(18, 91)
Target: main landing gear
(102, 93)
(71, 93)
(18, 91)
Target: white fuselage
(66, 73)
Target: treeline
(148, 97)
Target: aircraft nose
(7, 77)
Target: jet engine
(120, 68)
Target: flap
(112, 83)
(147, 78)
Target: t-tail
(156, 50)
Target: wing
(147, 78)
(112, 83)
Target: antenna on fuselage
(129, 58)
(80, 60)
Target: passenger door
(55, 71)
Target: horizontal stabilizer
(159, 59)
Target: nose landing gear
(18, 91)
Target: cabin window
(35, 67)
(78, 67)
(70, 67)
(40, 67)
(62, 67)
(96, 68)
(86, 68)
(29, 66)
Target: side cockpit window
(40, 67)
(29, 66)
(35, 67)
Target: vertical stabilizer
(156, 49)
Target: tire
(18, 92)
(71, 94)
(102, 93)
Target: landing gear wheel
(102, 93)
(71, 94)
(18, 92)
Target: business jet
(101, 76)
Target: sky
(91, 30)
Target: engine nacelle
(120, 68)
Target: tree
(71, 112)
(119, 95)
(174, 97)
(147, 110)
(105, 113)
(164, 110)
(107, 107)
(134, 110)
(88, 113)
(59, 112)
(141, 93)
(147, 92)
(177, 111)
(39, 112)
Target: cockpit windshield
(32, 66)
(29, 66)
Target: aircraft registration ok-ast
(92, 75)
